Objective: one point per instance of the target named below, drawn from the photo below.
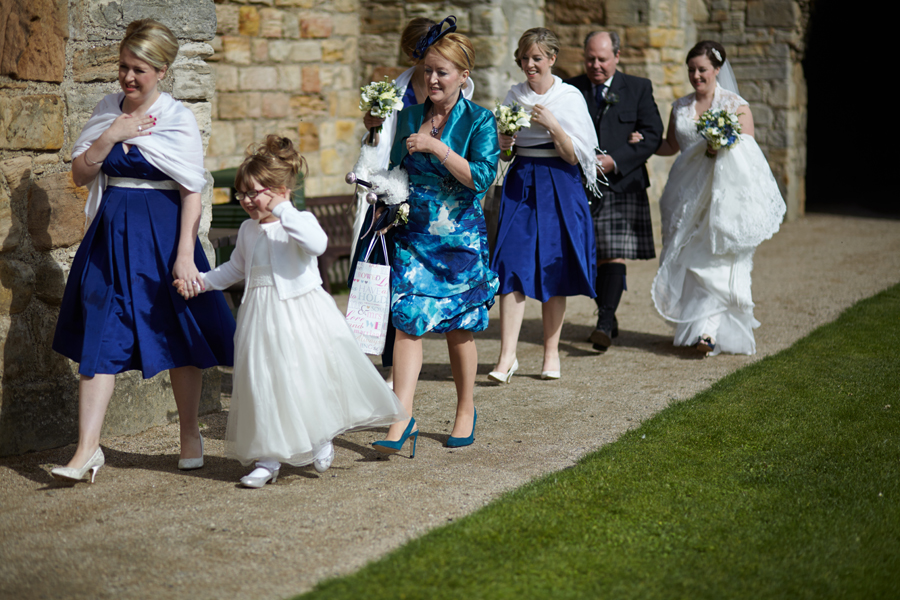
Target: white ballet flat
(73, 475)
(322, 463)
(501, 377)
(258, 481)
(549, 374)
(189, 464)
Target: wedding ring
(196, 285)
(140, 129)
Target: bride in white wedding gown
(715, 212)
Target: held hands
(187, 279)
(635, 137)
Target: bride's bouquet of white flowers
(510, 119)
(380, 98)
(720, 128)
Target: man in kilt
(619, 104)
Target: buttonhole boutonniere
(611, 99)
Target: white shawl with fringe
(567, 104)
(174, 147)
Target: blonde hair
(541, 37)
(152, 42)
(456, 48)
(413, 32)
(273, 164)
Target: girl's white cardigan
(296, 243)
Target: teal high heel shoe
(459, 442)
(389, 447)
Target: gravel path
(146, 530)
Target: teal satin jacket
(471, 132)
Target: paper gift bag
(370, 302)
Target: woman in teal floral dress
(440, 278)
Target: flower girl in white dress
(300, 378)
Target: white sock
(324, 451)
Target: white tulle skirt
(300, 378)
(714, 214)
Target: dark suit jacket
(635, 111)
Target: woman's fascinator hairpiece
(434, 34)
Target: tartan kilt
(622, 226)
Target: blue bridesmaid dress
(545, 237)
(120, 311)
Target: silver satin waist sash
(537, 152)
(142, 184)
(260, 276)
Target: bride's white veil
(726, 79)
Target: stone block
(17, 172)
(258, 78)
(348, 131)
(311, 83)
(228, 19)
(342, 50)
(345, 25)
(275, 105)
(376, 18)
(50, 281)
(779, 94)
(222, 139)
(290, 26)
(392, 73)
(271, 23)
(244, 136)
(767, 70)
(259, 49)
(345, 6)
(239, 106)
(346, 104)
(636, 37)
(31, 122)
(296, 3)
(299, 51)
(332, 162)
(672, 74)
(194, 21)
(762, 115)
(196, 50)
(309, 137)
(236, 49)
(380, 50)
(490, 51)
(289, 78)
(337, 77)
(308, 106)
(248, 21)
(10, 229)
(33, 36)
(99, 63)
(578, 12)
(226, 78)
(751, 91)
(56, 212)
(319, 27)
(16, 287)
(773, 13)
(193, 79)
(203, 113)
(218, 49)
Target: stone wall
(57, 59)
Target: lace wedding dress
(715, 212)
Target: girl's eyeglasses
(251, 195)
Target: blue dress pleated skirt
(440, 279)
(545, 237)
(120, 311)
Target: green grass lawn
(780, 481)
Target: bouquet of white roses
(720, 128)
(380, 98)
(510, 119)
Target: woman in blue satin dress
(440, 280)
(140, 154)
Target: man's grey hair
(613, 38)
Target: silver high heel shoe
(189, 464)
(259, 481)
(501, 377)
(73, 475)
